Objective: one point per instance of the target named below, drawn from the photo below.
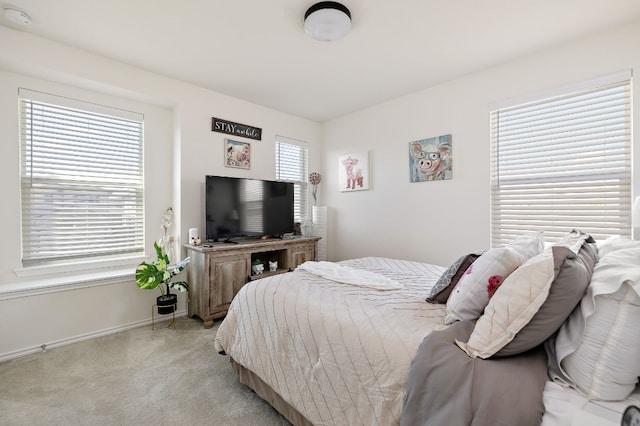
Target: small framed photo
(237, 154)
(353, 171)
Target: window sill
(50, 279)
(79, 267)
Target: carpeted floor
(135, 377)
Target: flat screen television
(241, 207)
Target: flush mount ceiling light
(327, 21)
(17, 16)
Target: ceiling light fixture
(17, 16)
(327, 21)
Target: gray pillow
(572, 276)
(445, 284)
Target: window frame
(300, 178)
(35, 264)
(510, 148)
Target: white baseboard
(82, 337)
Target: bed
(326, 352)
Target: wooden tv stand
(218, 270)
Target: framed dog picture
(237, 154)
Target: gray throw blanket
(447, 387)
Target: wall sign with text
(235, 129)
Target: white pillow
(470, 296)
(597, 347)
(614, 243)
(519, 298)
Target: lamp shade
(635, 213)
(327, 21)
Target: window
(563, 162)
(291, 165)
(81, 180)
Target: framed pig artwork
(353, 171)
(237, 154)
(430, 159)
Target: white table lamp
(635, 216)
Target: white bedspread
(348, 275)
(567, 407)
(339, 354)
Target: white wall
(438, 221)
(428, 221)
(180, 149)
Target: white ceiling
(257, 50)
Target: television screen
(239, 207)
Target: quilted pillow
(442, 288)
(524, 294)
(470, 296)
(572, 276)
(597, 347)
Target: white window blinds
(291, 165)
(81, 179)
(563, 163)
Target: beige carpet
(136, 377)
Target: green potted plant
(159, 273)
